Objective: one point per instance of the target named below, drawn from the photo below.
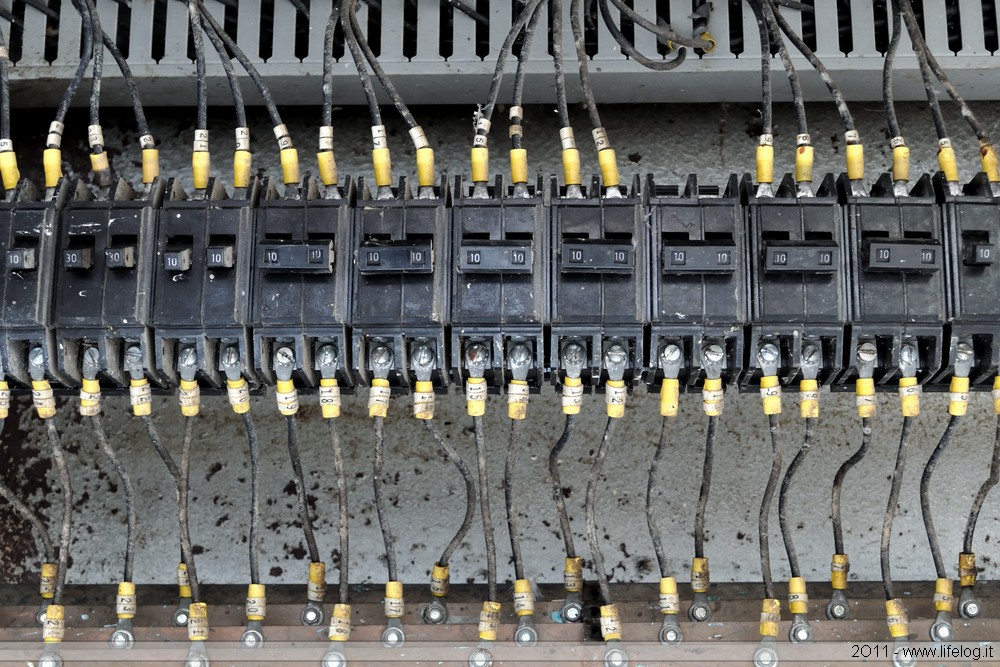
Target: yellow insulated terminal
(316, 588)
(475, 396)
(909, 396)
(524, 598)
(150, 165)
(4, 399)
(183, 581)
(712, 397)
(804, 164)
(99, 162)
(327, 168)
(699, 575)
(440, 580)
(256, 602)
(47, 580)
(670, 397)
(141, 397)
(287, 397)
(518, 165)
(239, 395)
(770, 617)
(329, 398)
(198, 622)
(988, 156)
(901, 163)
(90, 397)
(967, 570)
(765, 164)
(996, 395)
(770, 394)
(839, 568)
(382, 165)
(189, 396)
(864, 393)
(615, 395)
(54, 629)
(611, 622)
(958, 397)
(378, 398)
(895, 618)
(572, 395)
(340, 623)
(809, 399)
(855, 162)
(669, 599)
(242, 168)
(289, 158)
(393, 599)
(52, 166)
(480, 164)
(43, 399)
(943, 600)
(489, 621)
(573, 575)
(571, 166)
(423, 400)
(608, 162)
(517, 399)
(947, 161)
(9, 172)
(125, 602)
(425, 167)
(798, 599)
(201, 169)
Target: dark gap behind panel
(446, 31)
(809, 25)
(52, 32)
(736, 35)
(157, 48)
(882, 25)
(16, 44)
(409, 28)
(302, 30)
(591, 17)
(627, 25)
(339, 48)
(844, 27)
(265, 38)
(953, 17)
(516, 7)
(123, 29)
(375, 28)
(990, 26)
(231, 20)
(483, 31)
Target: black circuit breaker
(201, 281)
(28, 242)
(699, 277)
(301, 282)
(897, 277)
(501, 278)
(973, 239)
(104, 279)
(798, 281)
(600, 279)
(400, 281)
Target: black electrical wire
(87, 52)
(67, 509)
(508, 488)
(130, 84)
(767, 101)
(977, 503)
(328, 39)
(629, 49)
(888, 98)
(817, 64)
(248, 66)
(380, 508)
(194, 23)
(470, 491)
(41, 533)
(484, 508)
(555, 8)
(595, 545)
(922, 52)
(838, 482)
(177, 475)
(664, 32)
(651, 490)
(581, 58)
(557, 490)
(706, 485)
(919, 44)
(341, 476)
(383, 78)
(786, 483)
(4, 90)
(227, 65)
(300, 490)
(798, 99)
(925, 500)
(890, 508)
(765, 507)
(359, 63)
(508, 44)
(519, 76)
(254, 538)
(89, 13)
(127, 490)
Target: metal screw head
(802, 634)
(480, 658)
(944, 631)
(121, 640)
(964, 351)
(616, 354)
(767, 354)
(326, 356)
(251, 639)
(573, 355)
(699, 612)
(712, 354)
(572, 613)
(194, 661)
(422, 360)
(908, 354)
(188, 357)
(380, 359)
(91, 362)
(49, 661)
(838, 611)
(334, 659)
(810, 354)
(283, 356)
(765, 657)
(867, 353)
(520, 355)
(972, 609)
(310, 615)
(671, 354)
(477, 354)
(615, 657)
(392, 638)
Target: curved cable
(798, 99)
(97, 74)
(184, 513)
(581, 58)
(925, 499)
(127, 490)
(557, 489)
(555, 8)
(838, 482)
(341, 475)
(706, 485)
(383, 78)
(522, 67)
(595, 545)
(328, 39)
(87, 51)
(470, 491)
(194, 23)
(629, 49)
(786, 483)
(491, 99)
(359, 62)
(890, 509)
(380, 508)
(765, 507)
(892, 122)
(292, 423)
(65, 532)
(254, 536)
(651, 490)
(508, 488)
(484, 508)
(227, 65)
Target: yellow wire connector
(425, 158)
(440, 580)
(770, 617)
(47, 580)
(572, 395)
(340, 623)
(958, 397)
(381, 162)
(54, 629)
(809, 399)
(150, 159)
(770, 394)
(524, 598)
(90, 398)
(996, 395)
(9, 172)
(966, 570)
(573, 575)
(327, 164)
(943, 600)
(570, 157)
(988, 155)
(517, 399)
(198, 622)
(201, 160)
(125, 603)
(242, 159)
(378, 398)
(316, 588)
(423, 400)
(947, 161)
(804, 158)
(606, 158)
(393, 599)
(256, 602)
(855, 153)
(839, 567)
(43, 399)
(712, 397)
(900, 159)
(615, 394)
(288, 156)
(329, 398)
(611, 623)
(895, 618)
(183, 581)
(798, 599)
(475, 396)
(518, 165)
(189, 396)
(670, 397)
(489, 621)
(864, 396)
(480, 157)
(699, 575)
(239, 395)
(909, 396)
(287, 397)
(670, 602)
(765, 159)
(4, 399)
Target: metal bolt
(36, 358)
(333, 659)
(311, 615)
(433, 614)
(765, 658)
(839, 611)
(802, 634)
(670, 635)
(908, 354)
(327, 356)
(972, 609)
(713, 353)
(964, 351)
(671, 355)
(520, 355)
(767, 354)
(700, 612)
(810, 355)
(616, 354)
(230, 356)
(476, 354)
(283, 357)
(615, 658)
(573, 355)
(381, 358)
(480, 658)
(423, 356)
(188, 357)
(867, 353)
(119, 640)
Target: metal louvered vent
(435, 52)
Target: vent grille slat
(973, 36)
(827, 39)
(936, 31)
(33, 40)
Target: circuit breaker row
(145, 277)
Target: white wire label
(670, 603)
(239, 395)
(423, 403)
(329, 395)
(243, 138)
(517, 393)
(378, 137)
(379, 396)
(610, 626)
(798, 597)
(197, 628)
(316, 590)
(439, 586)
(475, 391)
(572, 395)
(288, 402)
(125, 606)
(524, 603)
(699, 581)
(256, 607)
(865, 400)
(47, 585)
(54, 629)
(340, 628)
(43, 399)
(809, 395)
(141, 394)
(95, 135)
(394, 607)
(615, 395)
(912, 390)
(189, 398)
(4, 399)
(942, 597)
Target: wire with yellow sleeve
(381, 361)
(909, 396)
(327, 359)
(572, 358)
(90, 408)
(958, 405)
(477, 358)
(671, 360)
(798, 598)
(713, 401)
(53, 627)
(567, 140)
(968, 603)
(838, 607)
(616, 358)
(768, 360)
(326, 163)
(423, 363)
(518, 153)
(46, 551)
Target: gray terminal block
(194, 305)
(499, 288)
(28, 250)
(698, 255)
(104, 302)
(898, 279)
(799, 292)
(400, 250)
(301, 280)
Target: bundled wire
(706, 485)
(508, 486)
(786, 483)
(194, 22)
(470, 491)
(925, 500)
(227, 65)
(595, 546)
(97, 74)
(87, 52)
(328, 39)
(663, 32)
(127, 489)
(892, 122)
(341, 477)
(67, 509)
(556, 10)
(519, 76)
(44, 542)
(651, 491)
(179, 476)
(300, 490)
(557, 490)
(766, 13)
(765, 507)
(361, 65)
(838, 482)
(380, 507)
(575, 8)
(977, 502)
(890, 509)
(484, 508)
(4, 89)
